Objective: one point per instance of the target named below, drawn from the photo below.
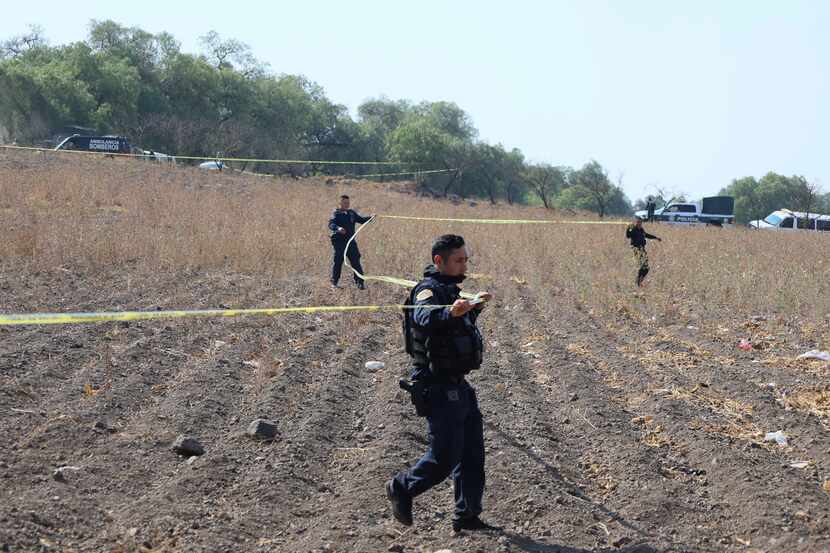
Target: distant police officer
(638, 235)
(341, 225)
(445, 345)
(650, 207)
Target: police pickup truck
(714, 210)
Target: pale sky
(681, 95)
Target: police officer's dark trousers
(456, 447)
(338, 242)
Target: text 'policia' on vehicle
(714, 210)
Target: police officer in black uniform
(650, 207)
(445, 344)
(638, 235)
(341, 225)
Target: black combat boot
(401, 504)
(472, 524)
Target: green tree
(590, 189)
(545, 181)
(448, 118)
(420, 142)
(755, 199)
(593, 179)
(515, 186)
(575, 197)
(379, 118)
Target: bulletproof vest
(452, 351)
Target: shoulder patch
(424, 294)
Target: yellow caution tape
(112, 316)
(360, 176)
(505, 221)
(430, 172)
(380, 278)
(214, 158)
(94, 317)
(466, 295)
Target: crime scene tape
(112, 316)
(372, 175)
(388, 279)
(505, 221)
(214, 158)
(70, 318)
(430, 172)
(410, 283)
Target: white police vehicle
(784, 219)
(714, 210)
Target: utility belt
(445, 378)
(419, 391)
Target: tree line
(225, 102)
(757, 198)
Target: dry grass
(813, 400)
(736, 417)
(102, 214)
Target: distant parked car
(784, 219)
(158, 156)
(216, 165)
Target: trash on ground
(778, 437)
(375, 365)
(815, 354)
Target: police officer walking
(445, 345)
(341, 225)
(638, 235)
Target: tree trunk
(491, 193)
(449, 185)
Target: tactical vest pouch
(406, 326)
(456, 353)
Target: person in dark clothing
(650, 207)
(445, 344)
(638, 236)
(342, 225)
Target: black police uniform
(638, 237)
(445, 348)
(346, 220)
